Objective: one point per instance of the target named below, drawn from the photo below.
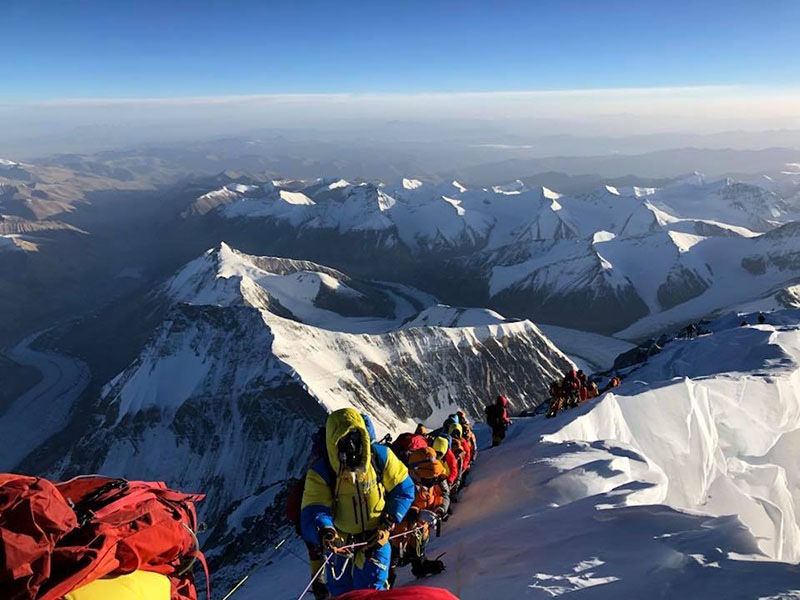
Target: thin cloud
(540, 94)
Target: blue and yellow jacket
(353, 502)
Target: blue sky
(126, 49)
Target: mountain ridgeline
(631, 261)
(253, 352)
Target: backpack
(407, 443)
(294, 503)
(402, 593)
(34, 516)
(116, 527)
(494, 415)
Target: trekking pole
(256, 568)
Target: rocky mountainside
(254, 351)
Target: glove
(330, 538)
(384, 530)
(381, 537)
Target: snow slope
(597, 351)
(255, 351)
(682, 484)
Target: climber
(293, 511)
(497, 419)
(761, 318)
(96, 538)
(571, 388)
(583, 391)
(406, 443)
(556, 399)
(432, 494)
(355, 494)
(457, 433)
(592, 390)
(469, 435)
(613, 382)
(447, 458)
(421, 429)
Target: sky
(172, 48)
(703, 66)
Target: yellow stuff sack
(139, 585)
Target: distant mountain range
(599, 261)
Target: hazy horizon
(90, 76)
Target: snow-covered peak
(411, 184)
(550, 194)
(442, 315)
(515, 187)
(695, 178)
(339, 183)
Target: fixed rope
(258, 566)
(348, 550)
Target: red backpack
(406, 443)
(407, 593)
(96, 527)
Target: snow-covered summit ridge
(253, 352)
(717, 418)
(312, 294)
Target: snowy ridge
(728, 412)
(256, 350)
(681, 484)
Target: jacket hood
(339, 424)
(440, 445)
(456, 427)
(370, 427)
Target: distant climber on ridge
(497, 419)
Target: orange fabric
(423, 464)
(465, 447)
(428, 498)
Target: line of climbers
(573, 390)
(98, 538)
(389, 498)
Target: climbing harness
(346, 551)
